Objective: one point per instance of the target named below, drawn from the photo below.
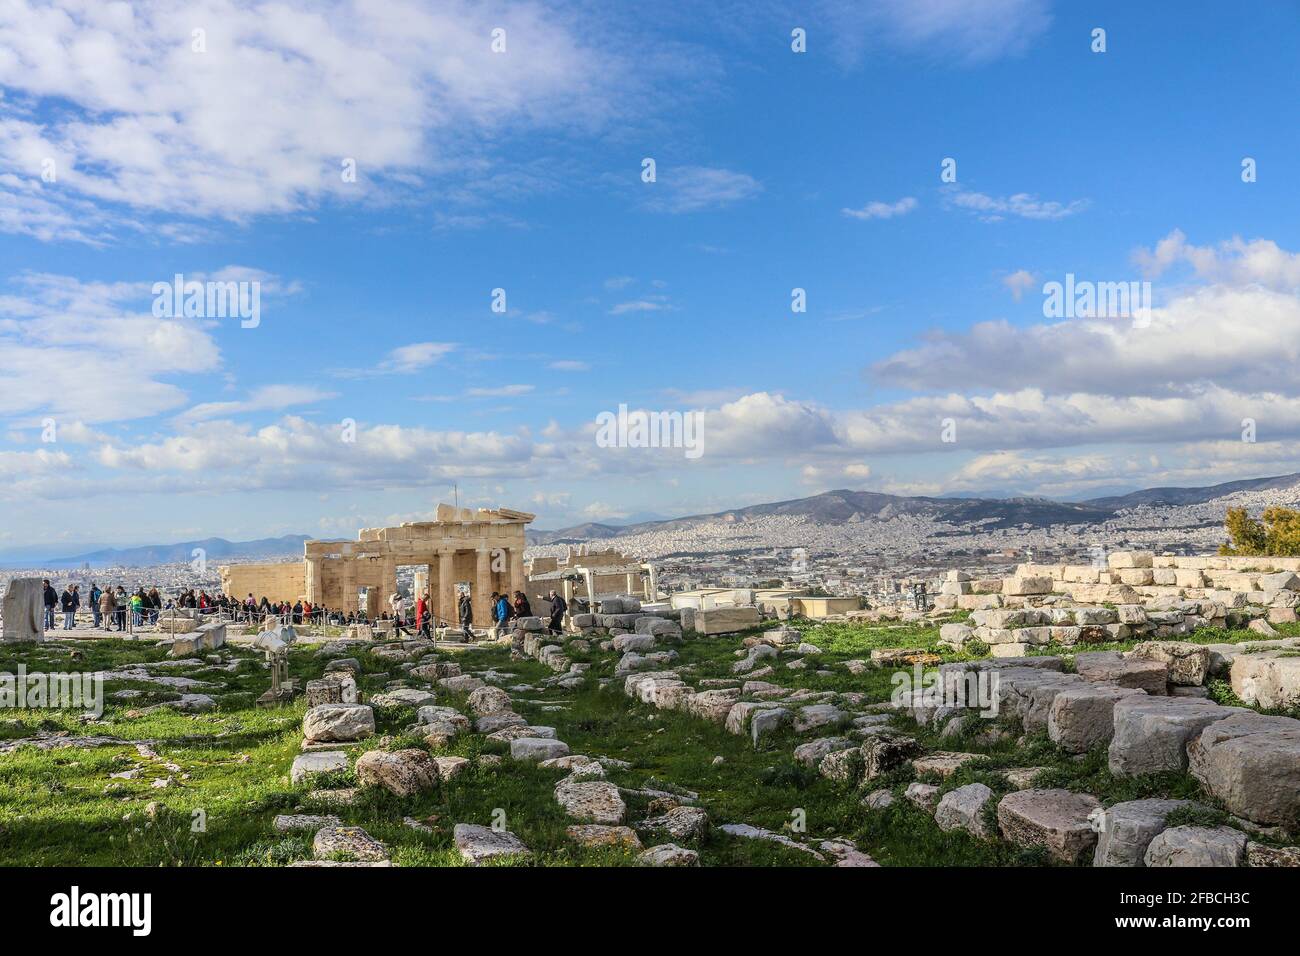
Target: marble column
(447, 587)
(568, 591)
(482, 591)
(348, 584)
(315, 587)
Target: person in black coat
(558, 607)
(51, 599)
(69, 602)
(466, 608)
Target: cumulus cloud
(1233, 262)
(1210, 334)
(296, 453)
(92, 351)
(1051, 406)
(27, 464)
(262, 120)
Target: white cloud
(1018, 282)
(1022, 205)
(26, 464)
(1235, 262)
(1213, 334)
(261, 122)
(971, 31)
(599, 511)
(263, 398)
(882, 210)
(403, 360)
(682, 189)
(92, 351)
(415, 357)
(654, 303)
(500, 391)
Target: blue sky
(521, 170)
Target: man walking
(466, 616)
(558, 607)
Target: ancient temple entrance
(481, 550)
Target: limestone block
(1027, 584)
(1125, 830)
(725, 620)
(537, 749)
(1197, 846)
(963, 809)
(1188, 663)
(1252, 764)
(402, 772)
(338, 722)
(1113, 667)
(1082, 717)
(308, 765)
(478, 843)
(1054, 819)
(1152, 733)
(1268, 679)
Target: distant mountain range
(214, 549)
(843, 506)
(831, 507)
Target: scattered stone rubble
(1147, 706)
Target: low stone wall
(1136, 577)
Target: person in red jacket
(422, 615)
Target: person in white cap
(398, 604)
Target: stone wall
(280, 581)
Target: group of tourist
(503, 610)
(109, 608)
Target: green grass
(231, 766)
